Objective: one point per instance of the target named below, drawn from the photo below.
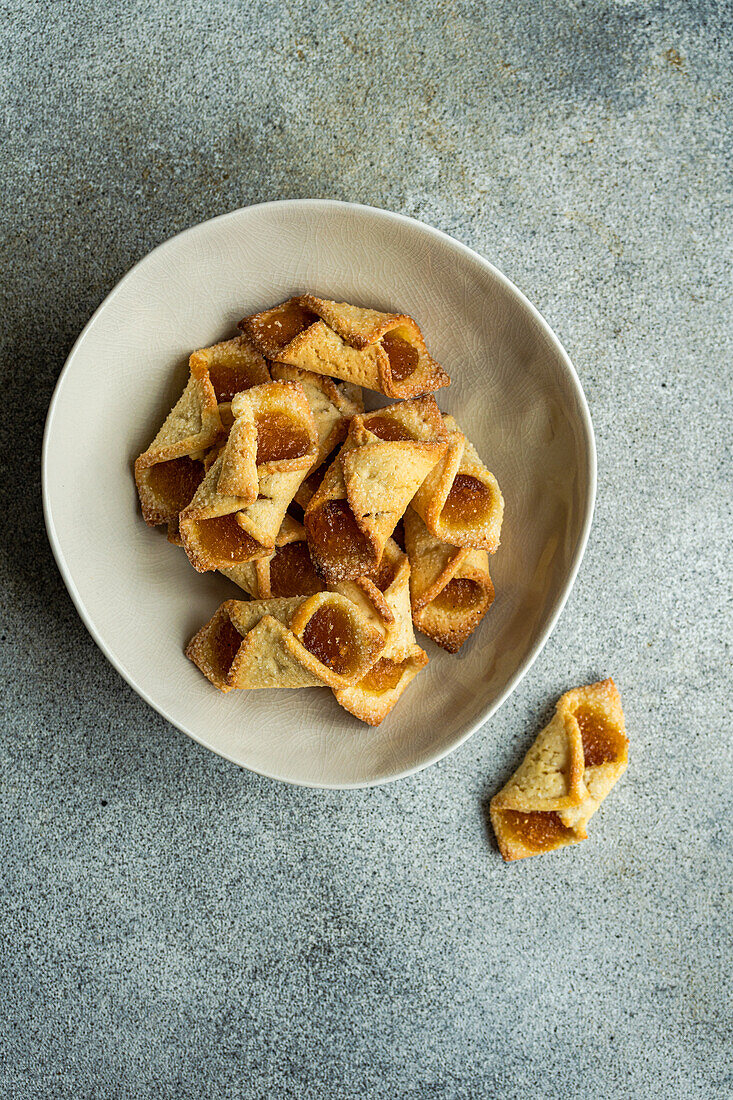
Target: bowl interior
(513, 391)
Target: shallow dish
(514, 391)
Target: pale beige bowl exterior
(514, 391)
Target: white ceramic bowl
(514, 392)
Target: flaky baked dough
(575, 761)
(375, 478)
(482, 532)
(277, 480)
(272, 653)
(434, 564)
(332, 404)
(192, 425)
(344, 341)
(232, 366)
(385, 600)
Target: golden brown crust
(231, 366)
(575, 761)
(460, 500)
(275, 643)
(332, 404)
(451, 588)
(275, 409)
(345, 341)
(371, 469)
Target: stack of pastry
(269, 470)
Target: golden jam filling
(403, 357)
(284, 324)
(601, 742)
(383, 676)
(335, 536)
(460, 594)
(468, 502)
(279, 437)
(292, 572)
(329, 636)
(176, 481)
(540, 830)
(228, 380)
(223, 540)
(386, 427)
(224, 646)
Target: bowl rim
(589, 502)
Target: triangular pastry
(460, 500)
(366, 489)
(450, 586)
(385, 600)
(221, 529)
(287, 643)
(168, 473)
(382, 351)
(565, 776)
(288, 571)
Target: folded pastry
(450, 586)
(278, 441)
(286, 643)
(384, 599)
(366, 489)
(233, 366)
(288, 571)
(382, 351)
(332, 404)
(460, 500)
(565, 776)
(168, 473)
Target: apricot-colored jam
(230, 379)
(385, 574)
(382, 676)
(176, 481)
(337, 541)
(402, 356)
(224, 645)
(540, 830)
(329, 636)
(279, 436)
(292, 572)
(386, 427)
(283, 325)
(460, 594)
(468, 503)
(223, 540)
(601, 742)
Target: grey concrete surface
(171, 926)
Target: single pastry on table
(460, 501)
(450, 586)
(239, 507)
(382, 351)
(574, 763)
(303, 641)
(366, 489)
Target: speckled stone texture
(175, 927)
